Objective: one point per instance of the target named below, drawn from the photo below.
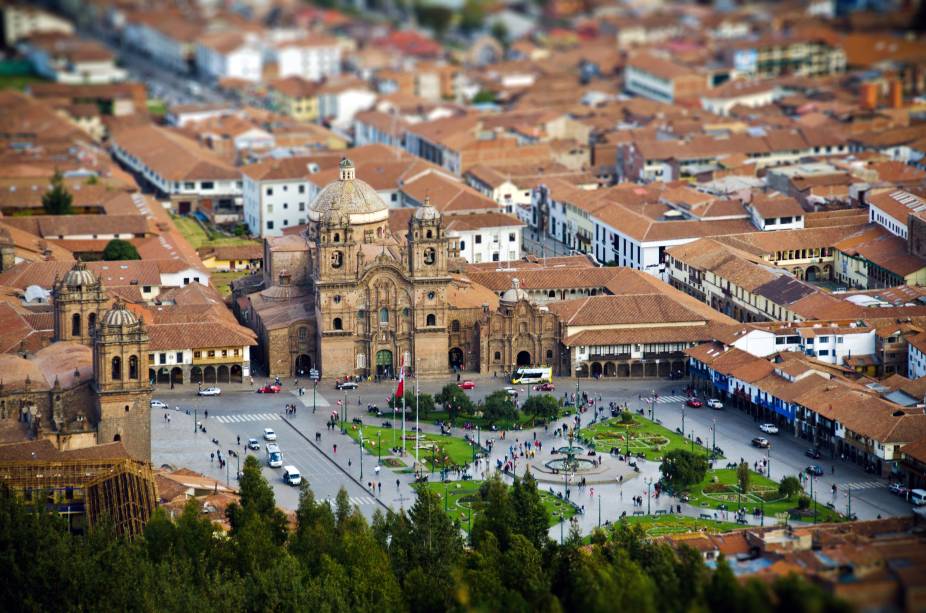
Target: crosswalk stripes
(306, 399)
(244, 417)
(862, 485)
(354, 500)
(666, 399)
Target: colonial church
(354, 295)
(90, 385)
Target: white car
(269, 434)
(210, 391)
(714, 403)
(769, 428)
(158, 404)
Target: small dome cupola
(79, 276)
(119, 316)
(515, 294)
(348, 172)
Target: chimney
(896, 94)
(868, 96)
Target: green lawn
(523, 419)
(197, 237)
(222, 280)
(646, 437)
(445, 450)
(18, 81)
(725, 491)
(462, 497)
(156, 107)
(658, 525)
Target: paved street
(241, 412)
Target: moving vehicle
(253, 444)
(694, 403)
(269, 434)
(467, 385)
(813, 453)
(918, 497)
(769, 428)
(209, 391)
(158, 404)
(714, 403)
(269, 389)
(814, 469)
(545, 387)
(274, 456)
(346, 385)
(898, 489)
(530, 376)
(511, 391)
(291, 475)
(760, 442)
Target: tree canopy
(118, 249)
(455, 401)
(499, 406)
(682, 468)
(542, 406)
(57, 200)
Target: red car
(545, 387)
(694, 403)
(467, 385)
(269, 389)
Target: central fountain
(570, 463)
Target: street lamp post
(578, 368)
(314, 389)
(599, 510)
(194, 421)
(652, 405)
(379, 447)
(812, 499)
(649, 483)
(683, 420)
(713, 437)
(361, 452)
(768, 461)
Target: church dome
(515, 294)
(351, 197)
(427, 212)
(79, 276)
(119, 316)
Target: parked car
(694, 403)
(760, 442)
(714, 403)
(813, 453)
(291, 475)
(158, 404)
(467, 385)
(269, 434)
(387, 424)
(269, 389)
(346, 385)
(898, 489)
(253, 444)
(545, 387)
(814, 469)
(769, 428)
(210, 391)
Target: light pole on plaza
(683, 420)
(599, 510)
(578, 369)
(361, 452)
(649, 482)
(379, 447)
(713, 436)
(768, 461)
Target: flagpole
(402, 379)
(416, 410)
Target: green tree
(455, 401)
(682, 468)
(533, 520)
(541, 406)
(484, 96)
(499, 406)
(500, 33)
(258, 504)
(742, 476)
(425, 402)
(57, 200)
(789, 486)
(437, 18)
(118, 249)
(497, 513)
(472, 16)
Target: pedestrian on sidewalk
(335, 448)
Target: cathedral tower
(78, 301)
(123, 395)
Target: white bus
(532, 375)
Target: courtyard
(638, 436)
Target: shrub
(803, 502)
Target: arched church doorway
(384, 363)
(523, 358)
(456, 358)
(303, 365)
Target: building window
(431, 295)
(337, 324)
(146, 289)
(133, 367)
(151, 358)
(303, 333)
(162, 358)
(302, 189)
(462, 245)
(337, 299)
(207, 185)
(211, 353)
(270, 225)
(75, 324)
(179, 357)
(269, 191)
(511, 236)
(384, 315)
(455, 325)
(498, 356)
(336, 259)
(197, 354)
(116, 368)
(431, 319)
(429, 256)
(225, 353)
(479, 239)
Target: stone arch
(609, 369)
(222, 374)
(651, 370)
(117, 438)
(91, 323)
(455, 358)
(209, 374)
(152, 376)
(596, 369)
(133, 367)
(176, 375)
(431, 320)
(116, 370)
(237, 374)
(812, 273)
(623, 370)
(455, 325)
(523, 358)
(303, 365)
(337, 324)
(163, 375)
(75, 324)
(196, 375)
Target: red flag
(400, 388)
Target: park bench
(661, 512)
(706, 516)
(638, 513)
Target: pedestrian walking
(335, 448)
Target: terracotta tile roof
(658, 66)
(53, 226)
(535, 263)
(448, 195)
(171, 155)
(44, 450)
(625, 336)
(630, 309)
(295, 87)
(198, 336)
(476, 221)
(545, 279)
(462, 293)
(252, 251)
(776, 207)
(884, 249)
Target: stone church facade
(351, 297)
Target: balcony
(608, 356)
(663, 355)
(218, 358)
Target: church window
(303, 332)
(379, 232)
(133, 367)
(91, 323)
(498, 355)
(336, 259)
(429, 256)
(337, 324)
(462, 245)
(75, 324)
(337, 299)
(431, 295)
(337, 237)
(406, 312)
(549, 354)
(431, 319)
(384, 315)
(429, 234)
(455, 325)
(116, 368)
